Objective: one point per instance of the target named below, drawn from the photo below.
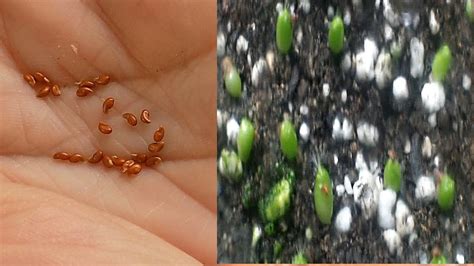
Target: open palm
(160, 56)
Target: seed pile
(131, 164)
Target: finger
(42, 227)
(150, 200)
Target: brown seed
(87, 83)
(43, 92)
(107, 161)
(153, 160)
(61, 156)
(83, 91)
(40, 77)
(141, 158)
(102, 79)
(104, 128)
(30, 79)
(55, 90)
(108, 103)
(156, 146)
(75, 158)
(127, 165)
(145, 116)
(96, 157)
(134, 169)
(159, 134)
(131, 119)
(117, 160)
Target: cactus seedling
(284, 31)
(245, 139)
(288, 141)
(336, 35)
(299, 258)
(232, 80)
(438, 257)
(323, 196)
(392, 175)
(446, 191)
(230, 165)
(277, 202)
(441, 63)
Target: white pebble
(346, 62)
(425, 189)
(336, 159)
(220, 119)
(340, 190)
(405, 222)
(390, 15)
(304, 110)
(387, 32)
(436, 161)
(270, 57)
(344, 96)
(347, 17)
(366, 192)
(426, 147)
(367, 134)
(242, 45)
(466, 82)
(325, 90)
(364, 66)
(232, 128)
(411, 240)
(330, 12)
(387, 199)
(407, 148)
(432, 120)
(257, 71)
(220, 44)
(434, 25)
(400, 89)
(371, 48)
(360, 163)
(344, 220)
(383, 70)
(417, 53)
(393, 241)
(257, 233)
(460, 258)
(344, 131)
(348, 185)
(279, 7)
(432, 96)
(304, 131)
(305, 5)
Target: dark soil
(297, 79)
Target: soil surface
(294, 82)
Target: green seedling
(245, 139)
(269, 229)
(278, 200)
(230, 165)
(232, 81)
(469, 10)
(392, 174)
(446, 191)
(336, 35)
(441, 63)
(284, 31)
(247, 195)
(277, 248)
(299, 258)
(323, 197)
(288, 140)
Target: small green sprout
(230, 165)
(288, 141)
(247, 195)
(392, 174)
(441, 63)
(277, 248)
(323, 197)
(245, 139)
(269, 229)
(438, 257)
(469, 10)
(299, 258)
(278, 200)
(336, 35)
(284, 31)
(446, 191)
(232, 81)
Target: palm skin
(161, 56)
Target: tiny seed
(83, 91)
(107, 161)
(61, 156)
(96, 157)
(108, 103)
(131, 119)
(87, 83)
(153, 160)
(30, 79)
(41, 77)
(56, 90)
(117, 160)
(76, 157)
(141, 158)
(156, 146)
(127, 164)
(134, 169)
(43, 92)
(104, 128)
(145, 116)
(102, 80)
(159, 134)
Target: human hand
(161, 56)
